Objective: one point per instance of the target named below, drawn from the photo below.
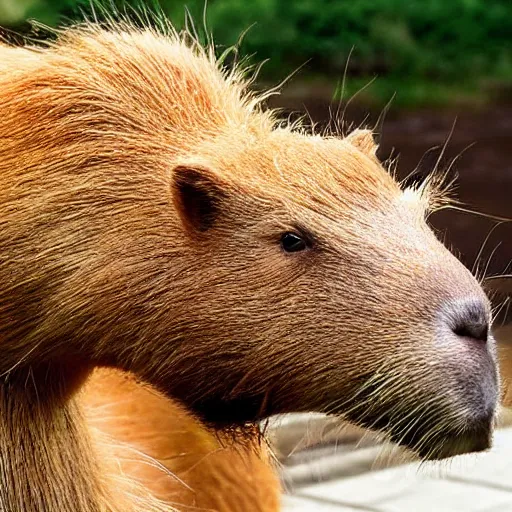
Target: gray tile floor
(471, 483)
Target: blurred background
(440, 71)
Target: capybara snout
(155, 218)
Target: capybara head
(155, 218)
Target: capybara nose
(470, 319)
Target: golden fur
(173, 455)
(144, 196)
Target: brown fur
(203, 470)
(144, 194)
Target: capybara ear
(197, 195)
(364, 141)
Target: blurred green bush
(463, 45)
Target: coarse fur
(173, 455)
(144, 197)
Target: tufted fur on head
(156, 219)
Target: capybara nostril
(475, 330)
(470, 319)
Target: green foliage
(437, 39)
(440, 42)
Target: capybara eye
(292, 242)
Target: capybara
(157, 219)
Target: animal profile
(158, 220)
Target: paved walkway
(471, 483)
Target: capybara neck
(51, 458)
(45, 453)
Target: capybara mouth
(436, 430)
(430, 439)
(438, 444)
